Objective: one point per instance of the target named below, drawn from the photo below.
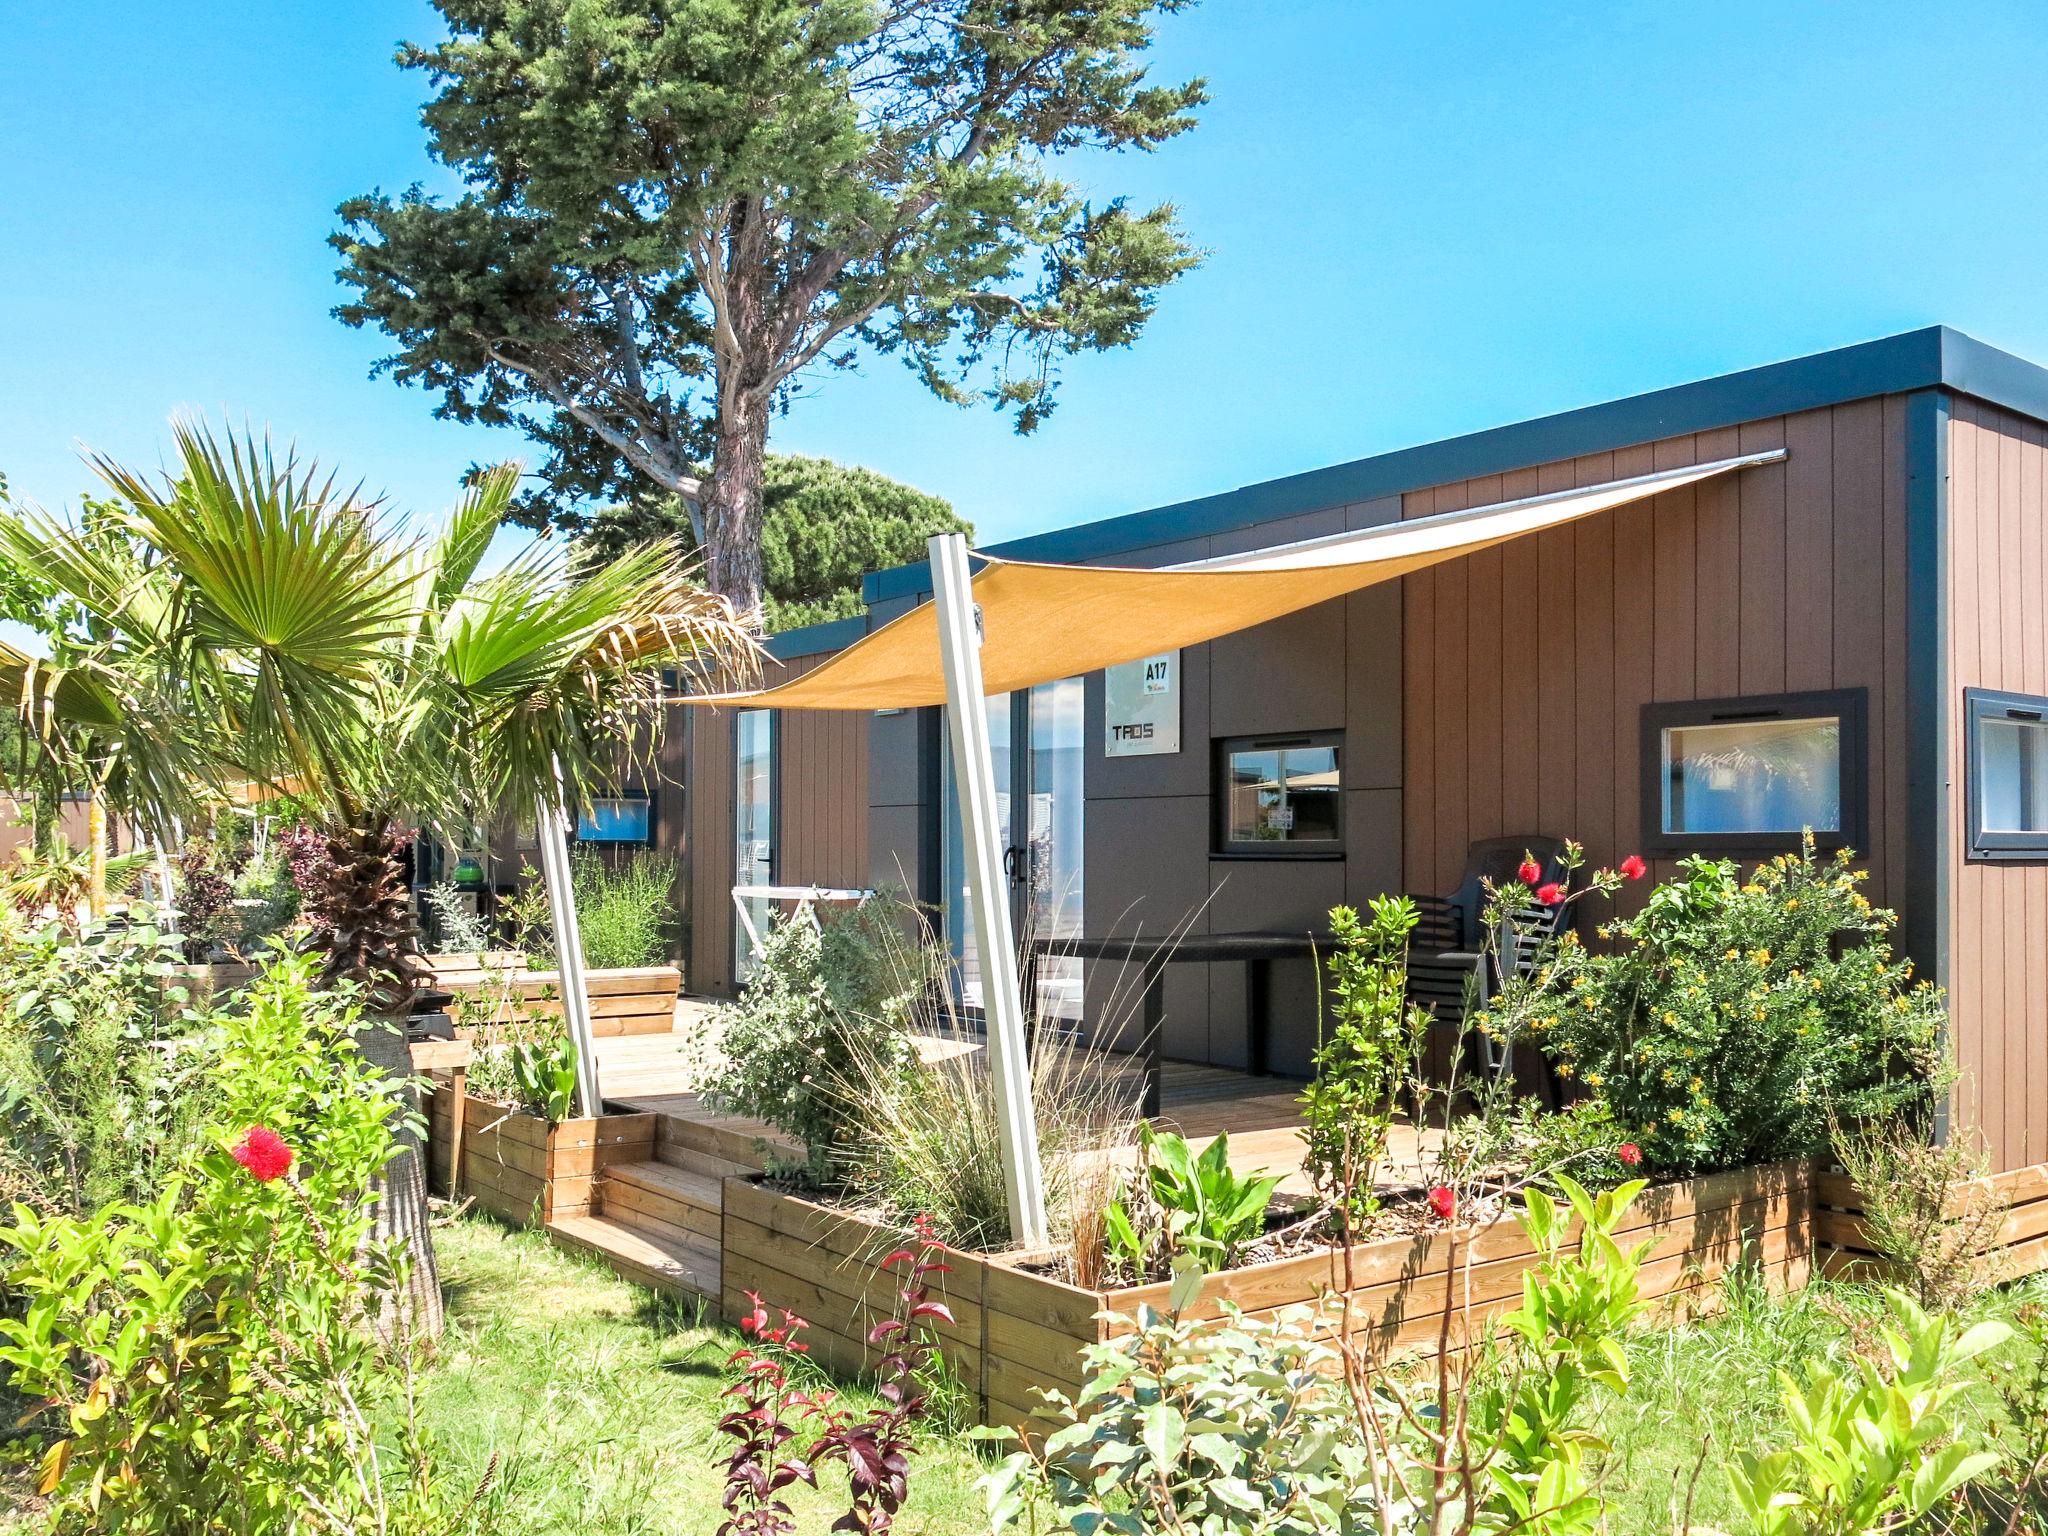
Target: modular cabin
(1844, 628)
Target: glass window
(753, 826)
(616, 819)
(1281, 795)
(2008, 750)
(1754, 773)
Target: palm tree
(248, 620)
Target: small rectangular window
(616, 819)
(1280, 796)
(2008, 768)
(1752, 775)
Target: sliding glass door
(753, 861)
(1038, 806)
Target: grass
(600, 1400)
(1713, 1385)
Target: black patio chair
(1449, 970)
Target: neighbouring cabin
(1854, 638)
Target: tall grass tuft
(929, 1140)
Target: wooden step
(736, 1143)
(682, 1268)
(672, 1203)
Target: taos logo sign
(1141, 707)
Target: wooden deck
(648, 1073)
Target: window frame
(1222, 845)
(1996, 846)
(645, 797)
(738, 957)
(1848, 706)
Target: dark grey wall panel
(1372, 684)
(1284, 675)
(1372, 844)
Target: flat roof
(1934, 357)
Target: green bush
(100, 1060)
(824, 1018)
(1733, 1019)
(1348, 1105)
(207, 1355)
(627, 912)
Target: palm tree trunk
(363, 920)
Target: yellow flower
(1761, 956)
(1594, 1079)
(1676, 1117)
(1731, 953)
(1792, 905)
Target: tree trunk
(732, 507)
(363, 920)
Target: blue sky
(1421, 219)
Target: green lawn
(1715, 1382)
(599, 1400)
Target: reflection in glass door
(753, 860)
(1038, 808)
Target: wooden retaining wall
(519, 1167)
(1842, 1244)
(1018, 1331)
(637, 1000)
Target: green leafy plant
(1734, 1018)
(1207, 1210)
(207, 1357)
(824, 1019)
(1877, 1448)
(1348, 1106)
(626, 910)
(463, 930)
(1295, 1426)
(102, 1062)
(544, 1077)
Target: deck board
(652, 1074)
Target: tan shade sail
(1043, 622)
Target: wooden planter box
(1842, 1244)
(639, 1000)
(1018, 1330)
(519, 1167)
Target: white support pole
(987, 899)
(552, 823)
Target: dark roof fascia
(1933, 356)
(816, 639)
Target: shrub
(1251, 1425)
(462, 931)
(626, 911)
(823, 1022)
(100, 1063)
(1929, 1209)
(1733, 1018)
(1348, 1105)
(1876, 1449)
(206, 1355)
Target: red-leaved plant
(876, 1446)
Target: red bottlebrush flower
(1550, 895)
(1629, 1153)
(1530, 872)
(1633, 867)
(264, 1153)
(1443, 1202)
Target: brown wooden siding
(1527, 667)
(821, 809)
(1998, 638)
